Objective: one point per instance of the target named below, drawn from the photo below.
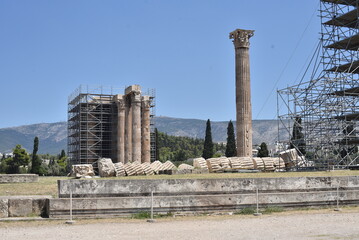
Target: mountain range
(53, 136)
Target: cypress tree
(231, 148)
(263, 150)
(62, 154)
(297, 140)
(208, 144)
(35, 159)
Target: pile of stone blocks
(200, 165)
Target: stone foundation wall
(24, 206)
(18, 178)
(167, 187)
(125, 206)
(104, 198)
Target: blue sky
(180, 48)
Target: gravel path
(330, 225)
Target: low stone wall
(99, 198)
(124, 206)
(168, 187)
(24, 206)
(18, 178)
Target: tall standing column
(121, 109)
(146, 132)
(128, 130)
(243, 91)
(136, 126)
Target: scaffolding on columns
(327, 105)
(91, 122)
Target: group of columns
(133, 126)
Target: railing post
(257, 213)
(337, 208)
(70, 221)
(151, 220)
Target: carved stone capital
(146, 103)
(241, 37)
(121, 104)
(136, 96)
(120, 101)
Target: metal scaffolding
(91, 123)
(326, 107)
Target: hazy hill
(53, 136)
(263, 130)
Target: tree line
(173, 148)
(179, 149)
(22, 162)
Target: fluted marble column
(136, 126)
(243, 91)
(121, 109)
(146, 132)
(128, 129)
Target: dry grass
(48, 185)
(45, 186)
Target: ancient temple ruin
(243, 91)
(102, 124)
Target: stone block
(168, 165)
(200, 163)
(133, 88)
(289, 157)
(119, 169)
(214, 164)
(106, 167)
(82, 170)
(147, 168)
(18, 178)
(185, 166)
(156, 166)
(39, 207)
(20, 207)
(4, 208)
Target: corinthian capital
(241, 37)
(146, 102)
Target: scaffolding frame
(91, 122)
(328, 103)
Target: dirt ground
(325, 224)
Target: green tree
(263, 150)
(297, 139)
(35, 159)
(21, 158)
(62, 164)
(53, 169)
(62, 154)
(231, 148)
(208, 144)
